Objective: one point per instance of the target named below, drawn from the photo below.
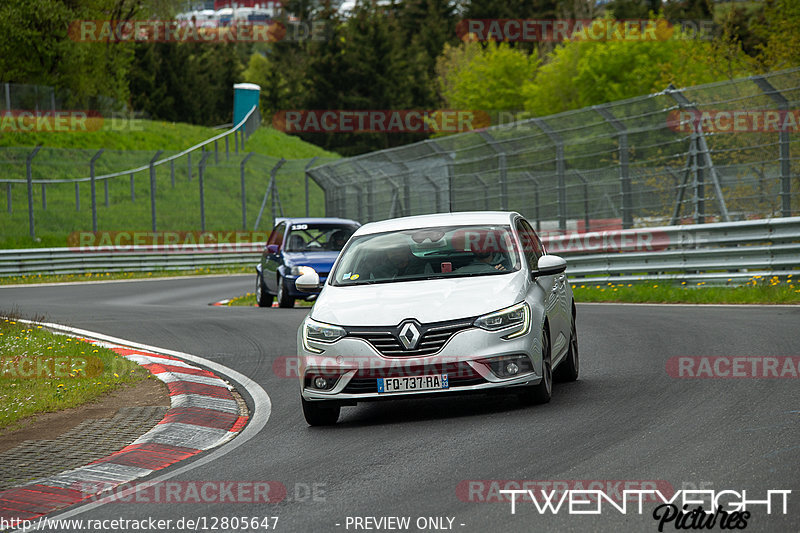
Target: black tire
(542, 392)
(263, 298)
(569, 367)
(284, 300)
(318, 414)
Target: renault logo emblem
(409, 335)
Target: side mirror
(308, 282)
(549, 265)
(272, 249)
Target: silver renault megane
(436, 305)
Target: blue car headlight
(517, 319)
(319, 332)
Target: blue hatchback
(294, 245)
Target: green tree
(584, 73)
(488, 78)
(36, 48)
(779, 30)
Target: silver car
(436, 305)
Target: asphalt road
(624, 419)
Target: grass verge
(41, 371)
(249, 300)
(756, 291)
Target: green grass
(41, 371)
(756, 291)
(249, 300)
(67, 155)
(107, 276)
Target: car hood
(388, 304)
(319, 261)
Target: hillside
(67, 156)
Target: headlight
(318, 332)
(300, 270)
(517, 317)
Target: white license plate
(412, 383)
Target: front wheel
(542, 392)
(284, 300)
(317, 414)
(263, 298)
(568, 369)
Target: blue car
(294, 245)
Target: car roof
(465, 218)
(317, 220)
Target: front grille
(458, 375)
(433, 338)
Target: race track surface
(626, 418)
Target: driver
(338, 240)
(495, 260)
(397, 260)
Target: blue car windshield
(428, 253)
(304, 237)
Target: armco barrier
(705, 252)
(721, 251)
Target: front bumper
(357, 365)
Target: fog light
(321, 383)
(508, 366)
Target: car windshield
(304, 237)
(428, 253)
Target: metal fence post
(226, 148)
(236, 141)
(305, 171)
(216, 154)
(44, 196)
(77, 196)
(448, 168)
(244, 194)
(201, 171)
(94, 193)
(783, 141)
(153, 189)
(536, 204)
(269, 193)
(8, 196)
(172, 173)
(8, 98)
(243, 137)
(189, 165)
(624, 176)
(501, 168)
(29, 176)
(586, 219)
(133, 190)
(555, 138)
(105, 191)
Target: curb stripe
(186, 387)
(203, 417)
(203, 414)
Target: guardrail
(732, 251)
(710, 252)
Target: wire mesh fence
(216, 185)
(717, 152)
